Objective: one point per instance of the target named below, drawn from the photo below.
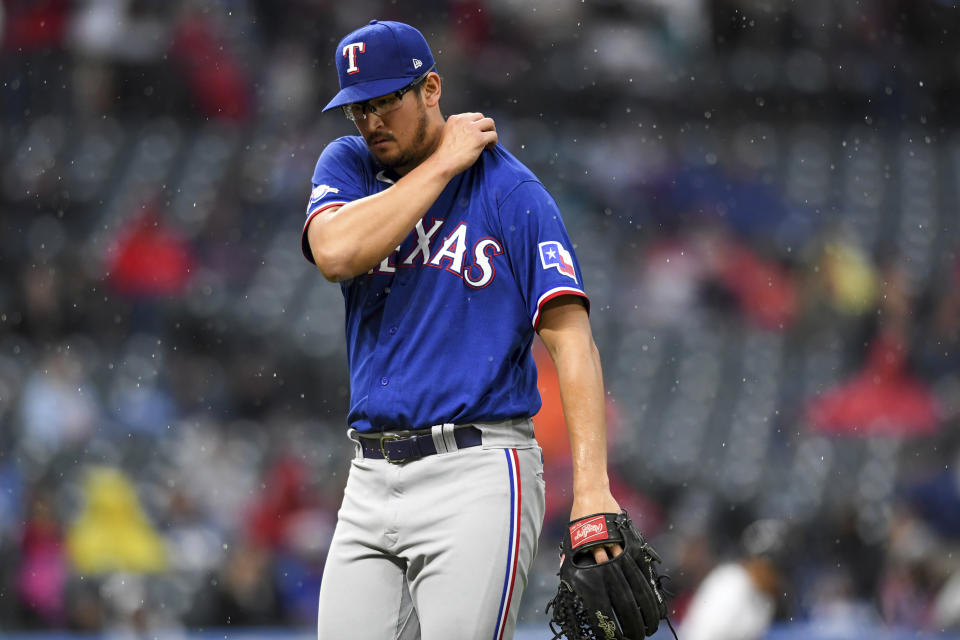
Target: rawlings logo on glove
(620, 599)
(583, 531)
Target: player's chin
(387, 157)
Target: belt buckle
(389, 438)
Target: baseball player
(450, 255)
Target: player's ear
(431, 90)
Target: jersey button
(393, 330)
(383, 381)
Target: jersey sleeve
(538, 248)
(337, 180)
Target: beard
(409, 158)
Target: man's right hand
(464, 137)
(350, 240)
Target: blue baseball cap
(377, 59)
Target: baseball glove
(620, 599)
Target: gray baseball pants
(436, 548)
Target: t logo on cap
(394, 55)
(350, 53)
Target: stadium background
(765, 197)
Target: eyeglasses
(382, 105)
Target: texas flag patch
(553, 255)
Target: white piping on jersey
(325, 205)
(552, 293)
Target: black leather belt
(400, 449)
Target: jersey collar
(389, 179)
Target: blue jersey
(441, 330)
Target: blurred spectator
(31, 54)
(43, 563)
(936, 351)
(298, 578)
(470, 25)
(732, 603)
(148, 259)
(42, 293)
(734, 276)
(692, 559)
(126, 604)
(671, 274)
(835, 607)
(196, 551)
(87, 607)
(737, 599)
(946, 606)
(883, 399)
(220, 466)
(125, 31)
(11, 509)
(886, 397)
(284, 496)
(120, 48)
(765, 291)
(219, 85)
(139, 400)
(194, 545)
(850, 278)
(289, 519)
(58, 406)
(112, 532)
(246, 594)
(290, 91)
(916, 565)
(935, 497)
